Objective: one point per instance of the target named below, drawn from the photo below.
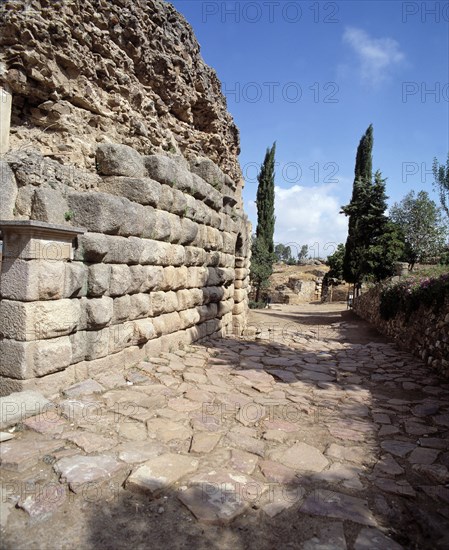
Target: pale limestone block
(32, 280)
(27, 321)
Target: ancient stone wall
(164, 260)
(121, 205)
(425, 333)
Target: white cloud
(377, 56)
(308, 215)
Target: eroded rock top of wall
(84, 72)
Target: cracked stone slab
(86, 387)
(332, 537)
(338, 505)
(159, 473)
(280, 498)
(357, 455)
(44, 502)
(20, 454)
(167, 430)
(301, 457)
(373, 539)
(204, 442)
(397, 448)
(139, 451)
(218, 497)
(48, 423)
(91, 442)
(17, 406)
(424, 455)
(400, 487)
(388, 465)
(78, 470)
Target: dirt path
(316, 434)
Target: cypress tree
(265, 200)
(263, 255)
(352, 264)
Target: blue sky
(313, 76)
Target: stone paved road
(314, 433)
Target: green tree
(283, 253)
(441, 175)
(352, 264)
(374, 244)
(335, 262)
(263, 245)
(303, 253)
(423, 226)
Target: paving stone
(442, 419)
(161, 472)
(139, 451)
(381, 418)
(167, 430)
(281, 498)
(46, 500)
(20, 454)
(388, 430)
(243, 461)
(425, 409)
(92, 442)
(413, 428)
(422, 455)
(397, 448)
(6, 507)
(301, 457)
(183, 405)
(351, 454)
(247, 443)
(79, 470)
(347, 473)
(373, 539)
(438, 472)
(434, 442)
(47, 423)
(218, 497)
(388, 465)
(6, 436)
(86, 387)
(17, 406)
(276, 472)
(400, 487)
(204, 442)
(345, 433)
(332, 504)
(332, 537)
(132, 430)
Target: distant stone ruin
(121, 212)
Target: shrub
(256, 305)
(409, 294)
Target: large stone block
(162, 227)
(38, 320)
(143, 331)
(16, 359)
(119, 160)
(189, 318)
(140, 306)
(171, 302)
(32, 280)
(97, 343)
(155, 253)
(154, 278)
(178, 255)
(185, 299)
(178, 203)
(91, 247)
(98, 281)
(49, 206)
(120, 280)
(24, 201)
(121, 337)
(212, 294)
(8, 191)
(138, 279)
(189, 231)
(52, 355)
(122, 309)
(168, 171)
(122, 250)
(174, 278)
(195, 256)
(144, 191)
(98, 212)
(134, 219)
(98, 312)
(78, 341)
(208, 171)
(167, 198)
(75, 282)
(157, 303)
(5, 120)
(166, 324)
